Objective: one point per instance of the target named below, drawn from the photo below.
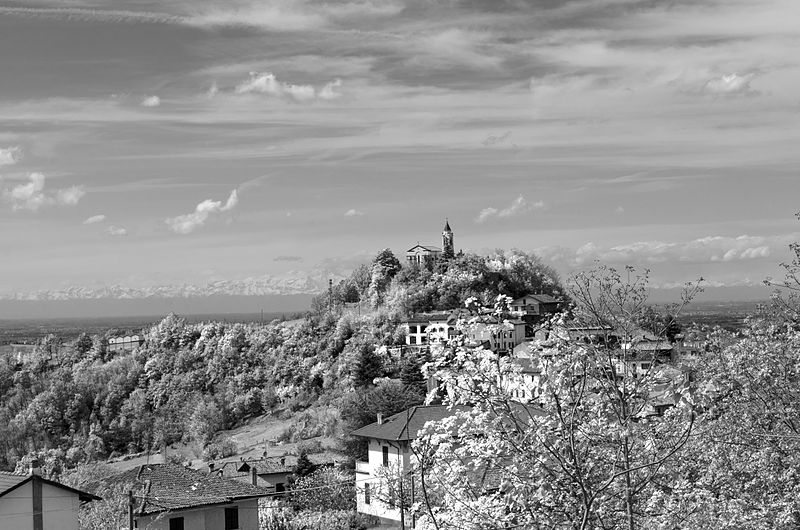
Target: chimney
(254, 475)
(211, 467)
(283, 460)
(380, 419)
(34, 468)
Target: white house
(173, 497)
(389, 453)
(31, 502)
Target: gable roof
(429, 248)
(541, 298)
(405, 426)
(11, 481)
(162, 487)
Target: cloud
(496, 139)
(9, 155)
(188, 223)
(518, 206)
(353, 213)
(730, 85)
(329, 92)
(267, 83)
(151, 101)
(116, 231)
(709, 249)
(287, 258)
(32, 195)
(95, 219)
(620, 210)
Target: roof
(9, 481)
(406, 425)
(12, 481)
(541, 298)
(447, 225)
(429, 248)
(162, 487)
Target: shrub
(222, 448)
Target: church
(427, 255)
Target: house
(535, 305)
(126, 343)
(389, 455)
(389, 451)
(430, 328)
(33, 502)
(173, 497)
(438, 328)
(271, 473)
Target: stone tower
(448, 251)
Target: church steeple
(448, 251)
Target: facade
(423, 255)
(126, 343)
(31, 502)
(430, 328)
(389, 454)
(173, 497)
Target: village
(238, 492)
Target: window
(231, 518)
(176, 523)
(412, 329)
(279, 487)
(385, 456)
(366, 494)
(645, 366)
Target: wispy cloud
(287, 258)
(353, 213)
(518, 206)
(33, 196)
(95, 219)
(151, 101)
(9, 155)
(188, 223)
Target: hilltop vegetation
(77, 402)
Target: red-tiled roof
(162, 487)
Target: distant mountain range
(292, 283)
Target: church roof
(447, 225)
(429, 248)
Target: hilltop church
(427, 255)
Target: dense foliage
(78, 402)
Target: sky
(149, 143)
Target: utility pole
(130, 510)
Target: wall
(210, 518)
(60, 508)
(16, 509)
(377, 506)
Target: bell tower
(448, 250)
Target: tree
(304, 466)
(589, 454)
(325, 489)
(366, 365)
